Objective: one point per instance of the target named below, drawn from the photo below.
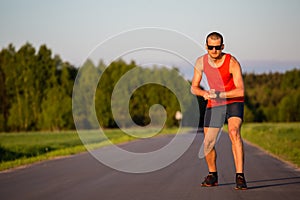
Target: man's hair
(215, 36)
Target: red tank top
(221, 80)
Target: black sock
(214, 173)
(241, 174)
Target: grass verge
(19, 149)
(279, 139)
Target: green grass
(279, 139)
(17, 149)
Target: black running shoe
(210, 180)
(240, 183)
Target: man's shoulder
(233, 59)
(199, 62)
(234, 64)
(201, 57)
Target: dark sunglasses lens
(216, 47)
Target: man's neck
(217, 60)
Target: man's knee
(234, 133)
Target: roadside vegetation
(18, 149)
(279, 139)
(36, 91)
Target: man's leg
(234, 127)
(214, 119)
(210, 136)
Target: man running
(225, 101)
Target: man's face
(214, 47)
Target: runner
(225, 102)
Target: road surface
(83, 177)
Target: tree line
(132, 93)
(35, 89)
(36, 93)
(273, 97)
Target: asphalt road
(83, 177)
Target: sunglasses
(216, 47)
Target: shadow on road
(273, 182)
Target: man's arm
(235, 70)
(198, 71)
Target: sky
(262, 35)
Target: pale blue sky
(262, 34)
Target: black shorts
(216, 116)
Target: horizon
(186, 70)
(73, 29)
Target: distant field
(280, 139)
(18, 149)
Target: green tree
(57, 101)
(289, 107)
(27, 78)
(106, 85)
(6, 64)
(83, 96)
(21, 79)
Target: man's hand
(211, 94)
